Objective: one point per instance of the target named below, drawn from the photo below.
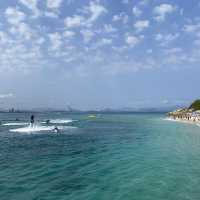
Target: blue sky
(94, 54)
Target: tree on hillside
(195, 105)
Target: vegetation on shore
(195, 105)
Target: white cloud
(9, 95)
(141, 25)
(25, 41)
(106, 41)
(14, 15)
(54, 4)
(136, 11)
(108, 28)
(166, 39)
(51, 14)
(4, 39)
(116, 18)
(95, 10)
(192, 28)
(144, 2)
(32, 5)
(23, 30)
(87, 35)
(119, 49)
(91, 12)
(56, 41)
(75, 21)
(162, 10)
(40, 40)
(132, 40)
(173, 51)
(121, 17)
(69, 34)
(100, 43)
(165, 101)
(17, 55)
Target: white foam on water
(31, 129)
(60, 121)
(15, 124)
(182, 121)
(66, 127)
(169, 119)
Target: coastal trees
(195, 105)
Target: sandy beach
(183, 121)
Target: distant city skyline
(97, 54)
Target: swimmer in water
(56, 129)
(47, 121)
(32, 120)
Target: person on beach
(32, 120)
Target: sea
(132, 156)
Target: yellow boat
(92, 116)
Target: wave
(60, 121)
(182, 121)
(169, 119)
(15, 124)
(31, 129)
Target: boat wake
(59, 121)
(31, 129)
(15, 124)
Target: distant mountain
(144, 109)
(69, 109)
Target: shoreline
(183, 121)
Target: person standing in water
(32, 120)
(56, 129)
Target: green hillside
(195, 105)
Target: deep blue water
(119, 157)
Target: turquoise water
(121, 157)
